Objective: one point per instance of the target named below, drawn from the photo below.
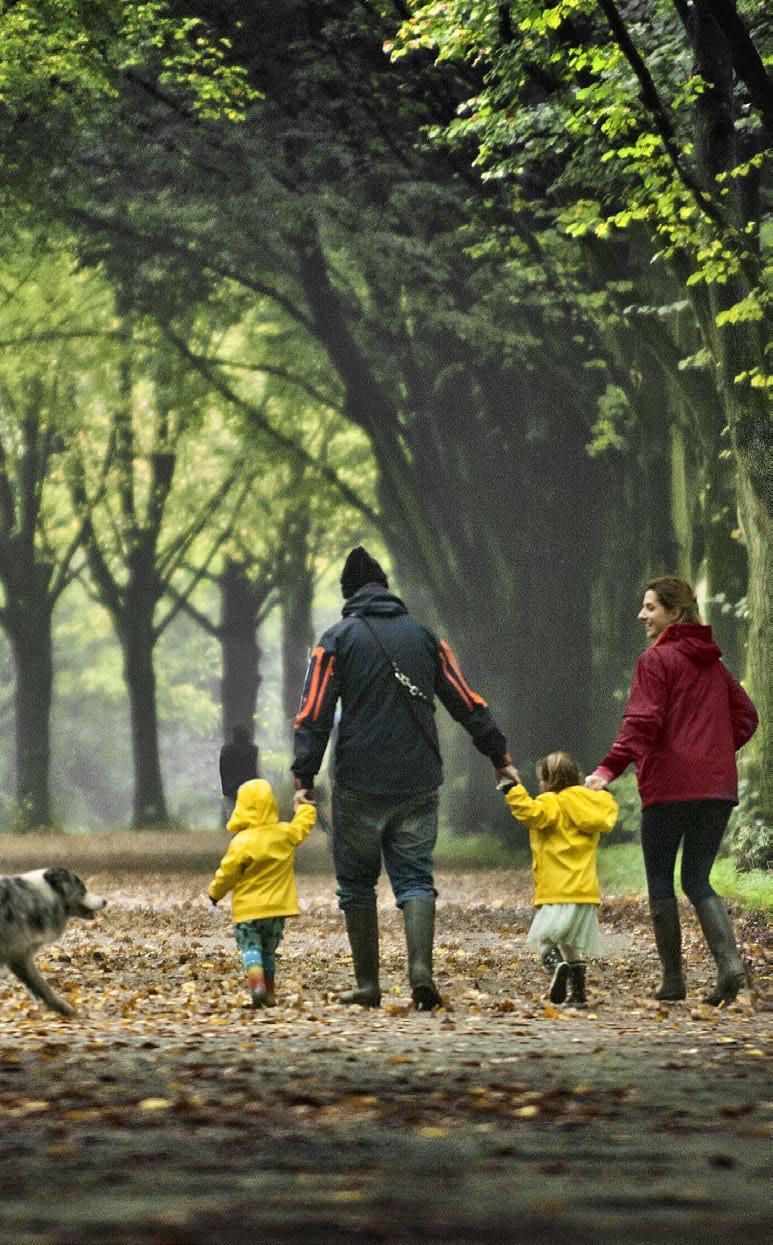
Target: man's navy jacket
(380, 748)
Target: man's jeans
(403, 828)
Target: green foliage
(566, 95)
(626, 793)
(753, 843)
(66, 54)
(750, 835)
(442, 259)
(621, 872)
(614, 413)
(620, 869)
(477, 851)
(752, 888)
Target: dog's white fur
(34, 910)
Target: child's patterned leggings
(258, 941)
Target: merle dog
(34, 909)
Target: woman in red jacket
(685, 719)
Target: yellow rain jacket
(258, 866)
(564, 829)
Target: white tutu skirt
(574, 925)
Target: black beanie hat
(360, 569)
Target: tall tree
(475, 370)
(674, 102)
(39, 536)
(137, 538)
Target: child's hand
(507, 777)
(302, 797)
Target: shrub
(750, 838)
(626, 828)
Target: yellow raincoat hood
(258, 866)
(255, 806)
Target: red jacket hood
(694, 640)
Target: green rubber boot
(718, 932)
(362, 928)
(668, 940)
(419, 918)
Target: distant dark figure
(238, 764)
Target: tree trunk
(740, 349)
(137, 641)
(238, 632)
(754, 517)
(297, 635)
(30, 635)
(726, 563)
(682, 510)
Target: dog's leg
(25, 970)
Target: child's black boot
(557, 968)
(576, 973)
(551, 958)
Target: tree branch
(650, 97)
(194, 259)
(272, 370)
(287, 444)
(747, 63)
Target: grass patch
(621, 872)
(753, 890)
(621, 869)
(478, 851)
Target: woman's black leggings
(701, 824)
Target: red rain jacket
(685, 719)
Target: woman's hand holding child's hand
(596, 782)
(302, 797)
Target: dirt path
(169, 1113)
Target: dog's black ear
(60, 880)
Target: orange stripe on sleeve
(455, 666)
(306, 707)
(323, 688)
(451, 677)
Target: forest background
(480, 285)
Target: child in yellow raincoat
(258, 868)
(564, 829)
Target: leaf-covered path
(171, 1114)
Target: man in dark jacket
(386, 668)
(238, 764)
